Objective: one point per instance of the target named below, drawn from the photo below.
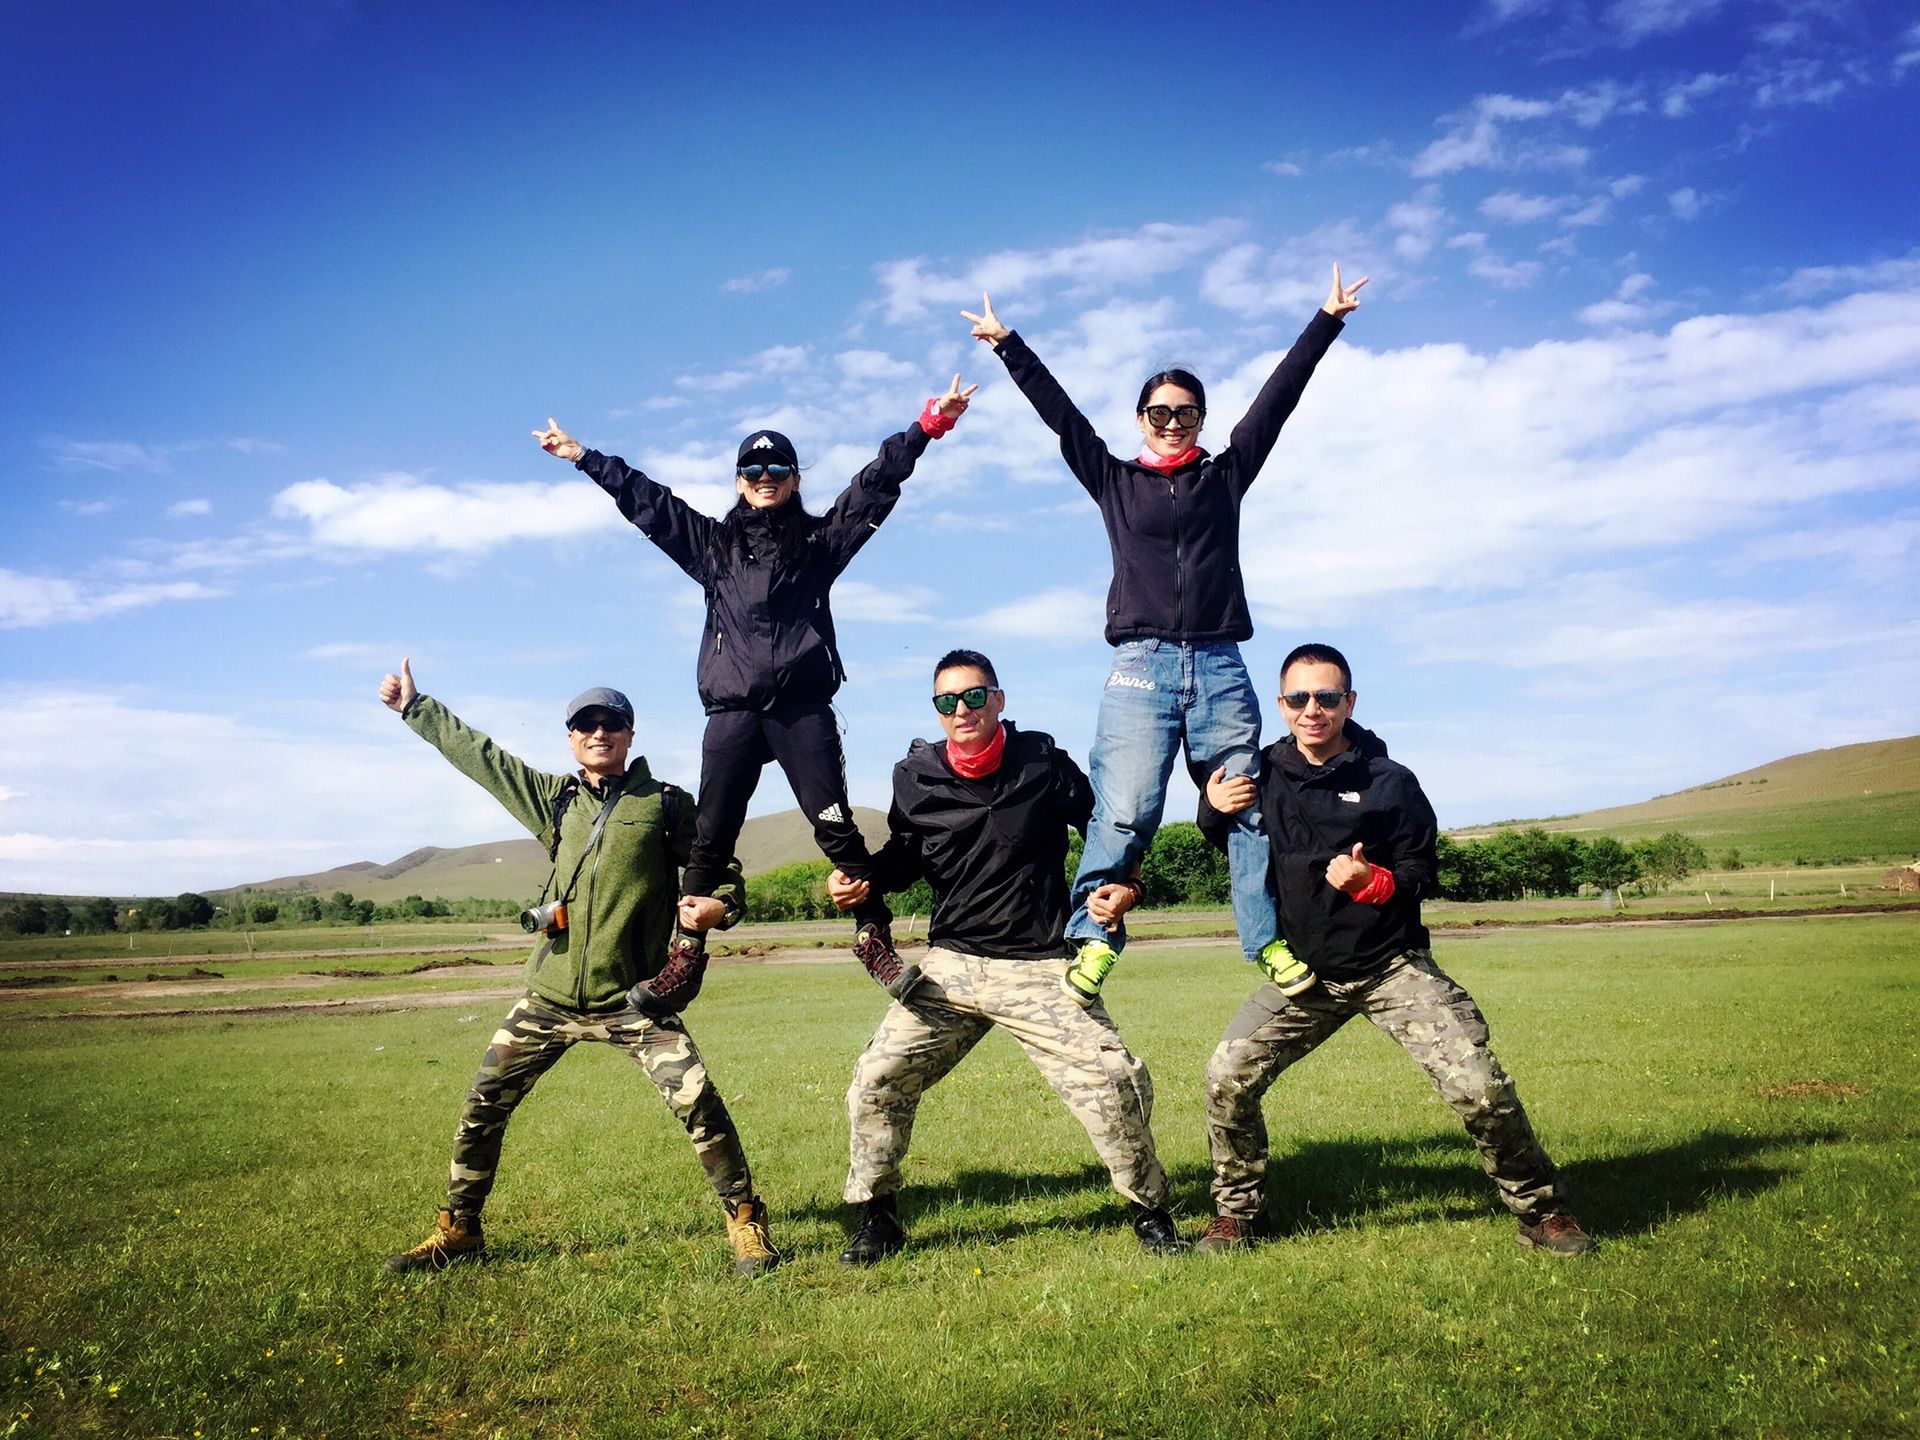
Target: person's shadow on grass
(1325, 1184)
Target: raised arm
(1254, 437)
(681, 532)
(528, 794)
(871, 495)
(1086, 455)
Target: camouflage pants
(531, 1040)
(1439, 1026)
(1078, 1052)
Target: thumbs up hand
(397, 691)
(1350, 872)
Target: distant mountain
(515, 869)
(1853, 802)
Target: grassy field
(198, 1208)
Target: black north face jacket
(993, 849)
(1315, 812)
(1175, 536)
(769, 634)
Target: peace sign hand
(953, 404)
(556, 441)
(1342, 299)
(987, 326)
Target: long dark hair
(790, 522)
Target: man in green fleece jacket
(617, 841)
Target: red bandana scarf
(982, 762)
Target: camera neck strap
(593, 838)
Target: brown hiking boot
(455, 1238)
(1557, 1234)
(873, 948)
(673, 987)
(1225, 1233)
(753, 1252)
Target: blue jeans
(1159, 693)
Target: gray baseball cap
(602, 698)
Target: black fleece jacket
(1175, 537)
(993, 849)
(769, 634)
(1315, 812)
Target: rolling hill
(515, 869)
(1853, 802)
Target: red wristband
(933, 422)
(1378, 889)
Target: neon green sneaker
(1288, 973)
(1088, 970)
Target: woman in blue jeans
(1176, 614)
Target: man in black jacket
(983, 817)
(1353, 842)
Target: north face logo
(833, 814)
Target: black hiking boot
(1154, 1227)
(878, 1235)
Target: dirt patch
(29, 982)
(463, 965)
(1812, 1090)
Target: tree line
(1181, 868)
(35, 915)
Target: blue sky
(1612, 486)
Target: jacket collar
(637, 773)
(1362, 744)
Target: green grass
(197, 1209)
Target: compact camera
(549, 919)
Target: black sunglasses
(775, 473)
(1329, 699)
(974, 695)
(1186, 416)
(590, 722)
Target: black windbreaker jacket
(769, 634)
(993, 849)
(1175, 537)
(1314, 812)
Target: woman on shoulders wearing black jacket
(769, 660)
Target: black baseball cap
(767, 447)
(600, 697)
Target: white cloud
(1508, 275)
(1060, 616)
(32, 601)
(1679, 97)
(1629, 305)
(1908, 55)
(1686, 203)
(753, 284)
(1417, 224)
(1899, 274)
(85, 507)
(356, 652)
(1480, 137)
(118, 456)
(773, 362)
(911, 289)
(1635, 20)
(1282, 167)
(398, 513)
(1293, 276)
(1509, 468)
(1507, 208)
(182, 509)
(875, 365)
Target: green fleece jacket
(621, 911)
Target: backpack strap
(569, 788)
